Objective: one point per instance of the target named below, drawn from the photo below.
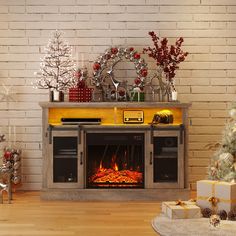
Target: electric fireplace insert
(115, 160)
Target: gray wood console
(69, 149)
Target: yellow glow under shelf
(109, 116)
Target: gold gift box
(187, 210)
(224, 194)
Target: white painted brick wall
(206, 78)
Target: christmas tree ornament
(232, 215)
(232, 113)
(206, 212)
(57, 68)
(227, 158)
(222, 214)
(214, 221)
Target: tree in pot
(57, 68)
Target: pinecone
(222, 214)
(206, 212)
(232, 215)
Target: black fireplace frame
(116, 136)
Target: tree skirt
(192, 227)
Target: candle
(174, 95)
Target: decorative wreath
(115, 55)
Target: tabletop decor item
(81, 92)
(115, 89)
(167, 58)
(57, 68)
(214, 221)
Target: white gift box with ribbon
(216, 195)
(181, 210)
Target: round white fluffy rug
(192, 227)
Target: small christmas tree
(57, 68)
(223, 166)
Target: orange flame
(116, 167)
(100, 166)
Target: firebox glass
(115, 160)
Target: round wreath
(116, 54)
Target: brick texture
(206, 79)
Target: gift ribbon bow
(180, 203)
(213, 201)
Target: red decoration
(96, 66)
(81, 84)
(114, 50)
(80, 94)
(137, 81)
(122, 93)
(137, 56)
(144, 73)
(7, 155)
(168, 57)
(131, 49)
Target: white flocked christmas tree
(57, 67)
(223, 166)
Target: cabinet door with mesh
(166, 166)
(65, 157)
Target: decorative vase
(56, 96)
(98, 95)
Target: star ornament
(7, 95)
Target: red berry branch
(167, 56)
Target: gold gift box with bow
(216, 195)
(181, 209)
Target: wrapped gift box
(188, 210)
(80, 94)
(73, 95)
(223, 192)
(85, 94)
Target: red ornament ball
(137, 56)
(7, 155)
(96, 66)
(131, 49)
(122, 93)
(144, 73)
(114, 50)
(137, 81)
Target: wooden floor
(29, 215)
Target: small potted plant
(167, 58)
